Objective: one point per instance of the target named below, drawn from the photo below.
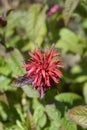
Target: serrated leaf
(79, 115)
(69, 7)
(15, 61)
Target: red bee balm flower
(43, 70)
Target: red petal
(48, 81)
(43, 73)
(35, 81)
(34, 57)
(56, 54)
(50, 55)
(31, 71)
(55, 62)
(53, 77)
(38, 52)
(60, 66)
(57, 72)
(39, 80)
(37, 70)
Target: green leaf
(39, 116)
(30, 122)
(69, 98)
(67, 125)
(4, 82)
(30, 92)
(18, 109)
(79, 115)
(35, 23)
(55, 125)
(69, 7)
(4, 68)
(42, 121)
(52, 112)
(19, 124)
(14, 42)
(82, 8)
(3, 113)
(76, 69)
(67, 44)
(15, 19)
(15, 61)
(81, 79)
(54, 116)
(13, 127)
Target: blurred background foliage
(28, 27)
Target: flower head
(43, 69)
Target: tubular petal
(31, 71)
(57, 72)
(38, 52)
(34, 57)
